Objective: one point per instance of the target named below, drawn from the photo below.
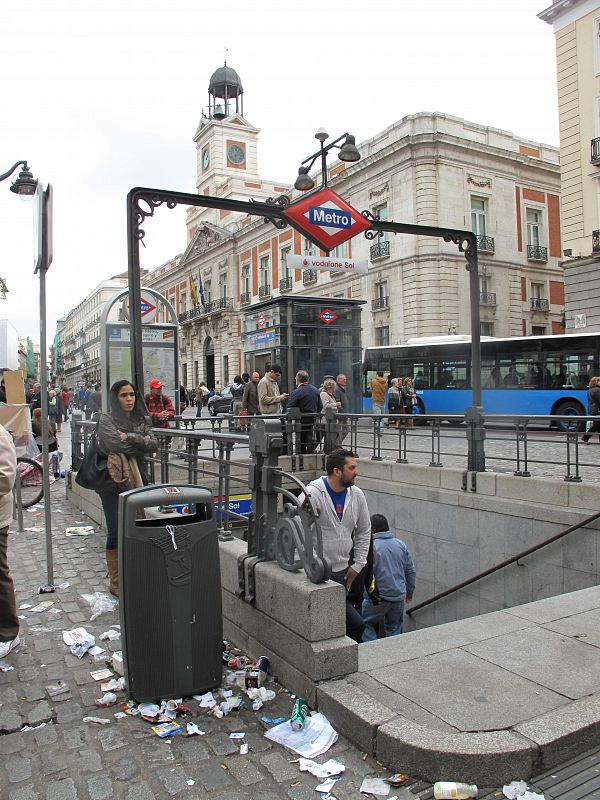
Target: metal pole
(474, 414)
(44, 404)
(133, 275)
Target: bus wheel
(569, 408)
(417, 418)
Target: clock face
(236, 154)
(206, 158)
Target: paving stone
(62, 790)
(53, 761)
(222, 745)
(8, 696)
(45, 735)
(18, 769)
(42, 644)
(23, 793)
(245, 771)
(74, 738)
(190, 750)
(110, 740)
(174, 780)
(140, 791)
(125, 769)
(41, 712)
(89, 761)
(215, 777)
(99, 787)
(257, 743)
(33, 693)
(12, 743)
(28, 674)
(10, 721)
(279, 767)
(54, 671)
(301, 792)
(68, 712)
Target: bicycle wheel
(32, 486)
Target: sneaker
(6, 647)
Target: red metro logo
(327, 218)
(327, 316)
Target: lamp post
(348, 152)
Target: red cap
(156, 384)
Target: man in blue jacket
(394, 582)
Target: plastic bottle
(449, 790)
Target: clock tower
(226, 144)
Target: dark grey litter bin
(170, 587)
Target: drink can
(262, 665)
(299, 713)
(252, 679)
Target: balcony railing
(595, 154)
(485, 244)
(380, 250)
(245, 298)
(379, 303)
(309, 276)
(222, 304)
(285, 284)
(539, 304)
(487, 298)
(536, 253)
(595, 241)
(192, 313)
(264, 291)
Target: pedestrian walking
(270, 396)
(389, 583)
(328, 400)
(182, 398)
(378, 390)
(66, 398)
(306, 397)
(237, 393)
(123, 430)
(36, 430)
(52, 409)
(9, 622)
(345, 524)
(394, 402)
(250, 398)
(593, 398)
(95, 401)
(345, 407)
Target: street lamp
(25, 185)
(348, 152)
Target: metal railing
(264, 290)
(536, 253)
(540, 304)
(379, 250)
(596, 241)
(309, 276)
(285, 284)
(245, 298)
(487, 298)
(379, 303)
(595, 150)
(485, 244)
(221, 304)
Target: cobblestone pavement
(48, 753)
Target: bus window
(421, 376)
(452, 375)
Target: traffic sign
(327, 218)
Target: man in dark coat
(306, 397)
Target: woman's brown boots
(112, 564)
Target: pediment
(205, 237)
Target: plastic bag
(416, 409)
(100, 603)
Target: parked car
(221, 402)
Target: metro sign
(146, 307)
(327, 316)
(261, 321)
(326, 218)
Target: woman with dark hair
(593, 408)
(237, 392)
(126, 430)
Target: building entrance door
(261, 362)
(209, 356)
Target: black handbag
(93, 471)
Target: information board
(159, 356)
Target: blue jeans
(379, 408)
(110, 506)
(354, 622)
(391, 612)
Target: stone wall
(455, 534)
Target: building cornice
(564, 12)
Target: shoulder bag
(93, 470)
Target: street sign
(148, 310)
(327, 218)
(333, 264)
(327, 316)
(261, 321)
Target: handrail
(503, 564)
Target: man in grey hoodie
(391, 583)
(344, 518)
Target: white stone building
(428, 168)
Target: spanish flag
(194, 291)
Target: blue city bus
(519, 375)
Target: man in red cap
(160, 407)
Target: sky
(102, 97)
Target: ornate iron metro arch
(142, 202)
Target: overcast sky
(101, 97)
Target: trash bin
(170, 587)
